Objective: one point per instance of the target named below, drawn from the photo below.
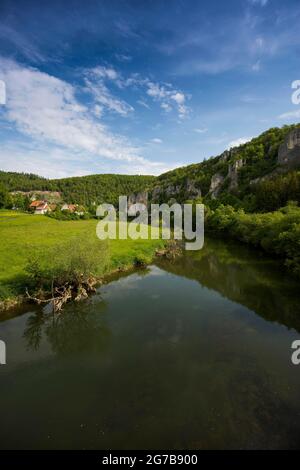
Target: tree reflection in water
(78, 328)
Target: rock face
(191, 190)
(172, 191)
(215, 185)
(155, 195)
(289, 151)
(168, 192)
(233, 169)
(137, 202)
(138, 198)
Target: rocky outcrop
(233, 169)
(172, 190)
(216, 183)
(136, 202)
(289, 151)
(138, 198)
(50, 196)
(188, 190)
(165, 193)
(192, 191)
(156, 193)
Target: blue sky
(141, 87)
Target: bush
(67, 263)
(276, 232)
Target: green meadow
(26, 236)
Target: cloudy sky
(141, 87)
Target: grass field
(24, 236)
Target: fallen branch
(60, 295)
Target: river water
(190, 354)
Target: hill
(84, 190)
(260, 175)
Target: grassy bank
(275, 232)
(28, 238)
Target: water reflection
(245, 276)
(159, 359)
(76, 329)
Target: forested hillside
(84, 190)
(255, 175)
(261, 175)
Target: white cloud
(201, 130)
(61, 163)
(165, 94)
(237, 142)
(55, 163)
(46, 110)
(103, 97)
(156, 91)
(290, 115)
(104, 72)
(166, 107)
(259, 2)
(178, 97)
(123, 57)
(143, 103)
(98, 110)
(94, 83)
(156, 140)
(168, 96)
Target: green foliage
(5, 199)
(276, 192)
(276, 232)
(86, 190)
(58, 214)
(20, 201)
(67, 262)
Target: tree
(5, 199)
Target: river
(189, 354)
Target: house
(42, 208)
(35, 204)
(69, 207)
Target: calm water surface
(192, 354)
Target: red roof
(42, 206)
(36, 203)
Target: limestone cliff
(137, 202)
(289, 150)
(233, 169)
(216, 183)
(171, 191)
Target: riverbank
(30, 242)
(41, 254)
(277, 233)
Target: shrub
(275, 232)
(67, 263)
